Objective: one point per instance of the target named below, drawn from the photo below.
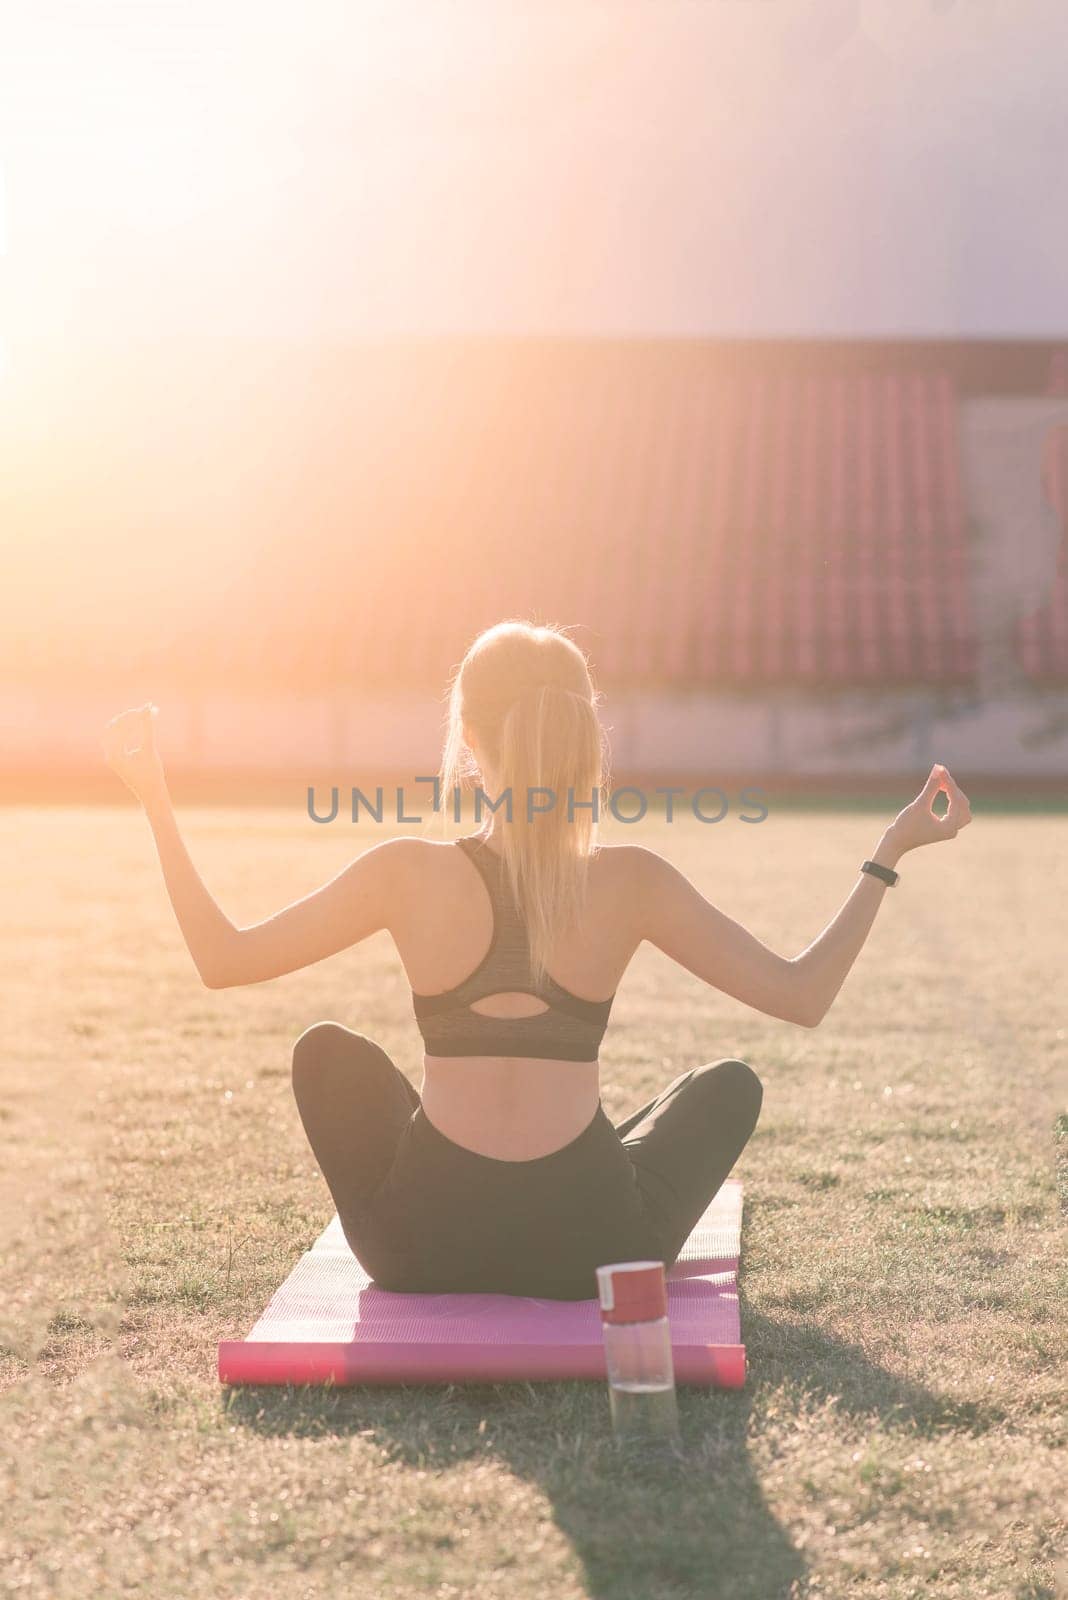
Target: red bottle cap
(632, 1291)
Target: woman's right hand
(129, 746)
(917, 824)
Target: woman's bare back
(513, 1108)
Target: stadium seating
(1042, 636)
(699, 525)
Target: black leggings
(424, 1214)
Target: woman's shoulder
(625, 857)
(630, 866)
(409, 854)
(643, 874)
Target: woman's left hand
(919, 824)
(129, 746)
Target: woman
(505, 1174)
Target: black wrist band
(885, 874)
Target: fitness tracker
(884, 874)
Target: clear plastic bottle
(637, 1347)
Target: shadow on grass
(695, 1524)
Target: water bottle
(637, 1347)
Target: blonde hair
(526, 693)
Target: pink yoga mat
(328, 1323)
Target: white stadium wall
(698, 735)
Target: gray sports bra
(570, 1029)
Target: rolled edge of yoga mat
(266, 1362)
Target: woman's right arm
(360, 900)
(678, 919)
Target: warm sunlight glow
(159, 159)
(5, 356)
(315, 321)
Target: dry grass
(900, 1434)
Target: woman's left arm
(824, 966)
(359, 901)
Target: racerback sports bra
(570, 1029)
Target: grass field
(901, 1432)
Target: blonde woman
(504, 1173)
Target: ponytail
(550, 741)
(527, 694)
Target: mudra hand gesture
(129, 746)
(918, 823)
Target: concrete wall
(700, 735)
